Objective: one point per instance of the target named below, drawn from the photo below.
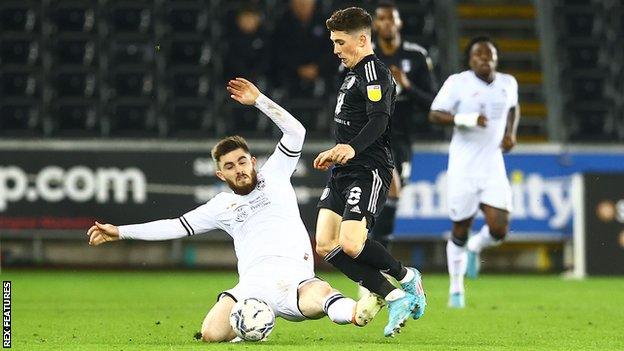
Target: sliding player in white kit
(275, 261)
(482, 104)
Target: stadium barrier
(51, 191)
(598, 224)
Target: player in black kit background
(412, 70)
(362, 171)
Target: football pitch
(162, 310)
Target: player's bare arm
(513, 119)
(461, 119)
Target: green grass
(94, 310)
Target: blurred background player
(261, 214)
(362, 171)
(412, 70)
(483, 106)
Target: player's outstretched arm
(513, 119)
(247, 93)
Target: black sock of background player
(364, 274)
(384, 224)
(375, 255)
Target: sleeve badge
(373, 92)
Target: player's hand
(341, 153)
(400, 77)
(482, 121)
(323, 161)
(509, 141)
(243, 91)
(101, 233)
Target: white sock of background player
(483, 239)
(457, 260)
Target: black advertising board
(604, 223)
(58, 186)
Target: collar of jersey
(484, 82)
(363, 61)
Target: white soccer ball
(252, 319)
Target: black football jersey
(367, 89)
(412, 106)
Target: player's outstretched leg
(317, 298)
(216, 326)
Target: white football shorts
(278, 287)
(466, 193)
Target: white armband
(466, 119)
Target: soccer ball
(252, 319)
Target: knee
(210, 334)
(350, 247)
(323, 247)
(499, 230)
(499, 233)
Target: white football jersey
(265, 224)
(476, 151)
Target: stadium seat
(188, 52)
(133, 117)
(592, 122)
(129, 18)
(189, 117)
(128, 51)
(73, 18)
(75, 51)
(587, 87)
(19, 51)
(20, 118)
(133, 82)
(580, 23)
(75, 83)
(581, 54)
(17, 17)
(75, 118)
(22, 83)
(186, 19)
(188, 83)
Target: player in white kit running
(482, 104)
(275, 261)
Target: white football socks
(457, 260)
(408, 276)
(483, 239)
(395, 295)
(339, 308)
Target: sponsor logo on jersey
(261, 183)
(356, 209)
(373, 92)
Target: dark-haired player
(362, 172)
(482, 105)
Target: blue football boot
(398, 312)
(415, 287)
(473, 265)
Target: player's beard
(244, 189)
